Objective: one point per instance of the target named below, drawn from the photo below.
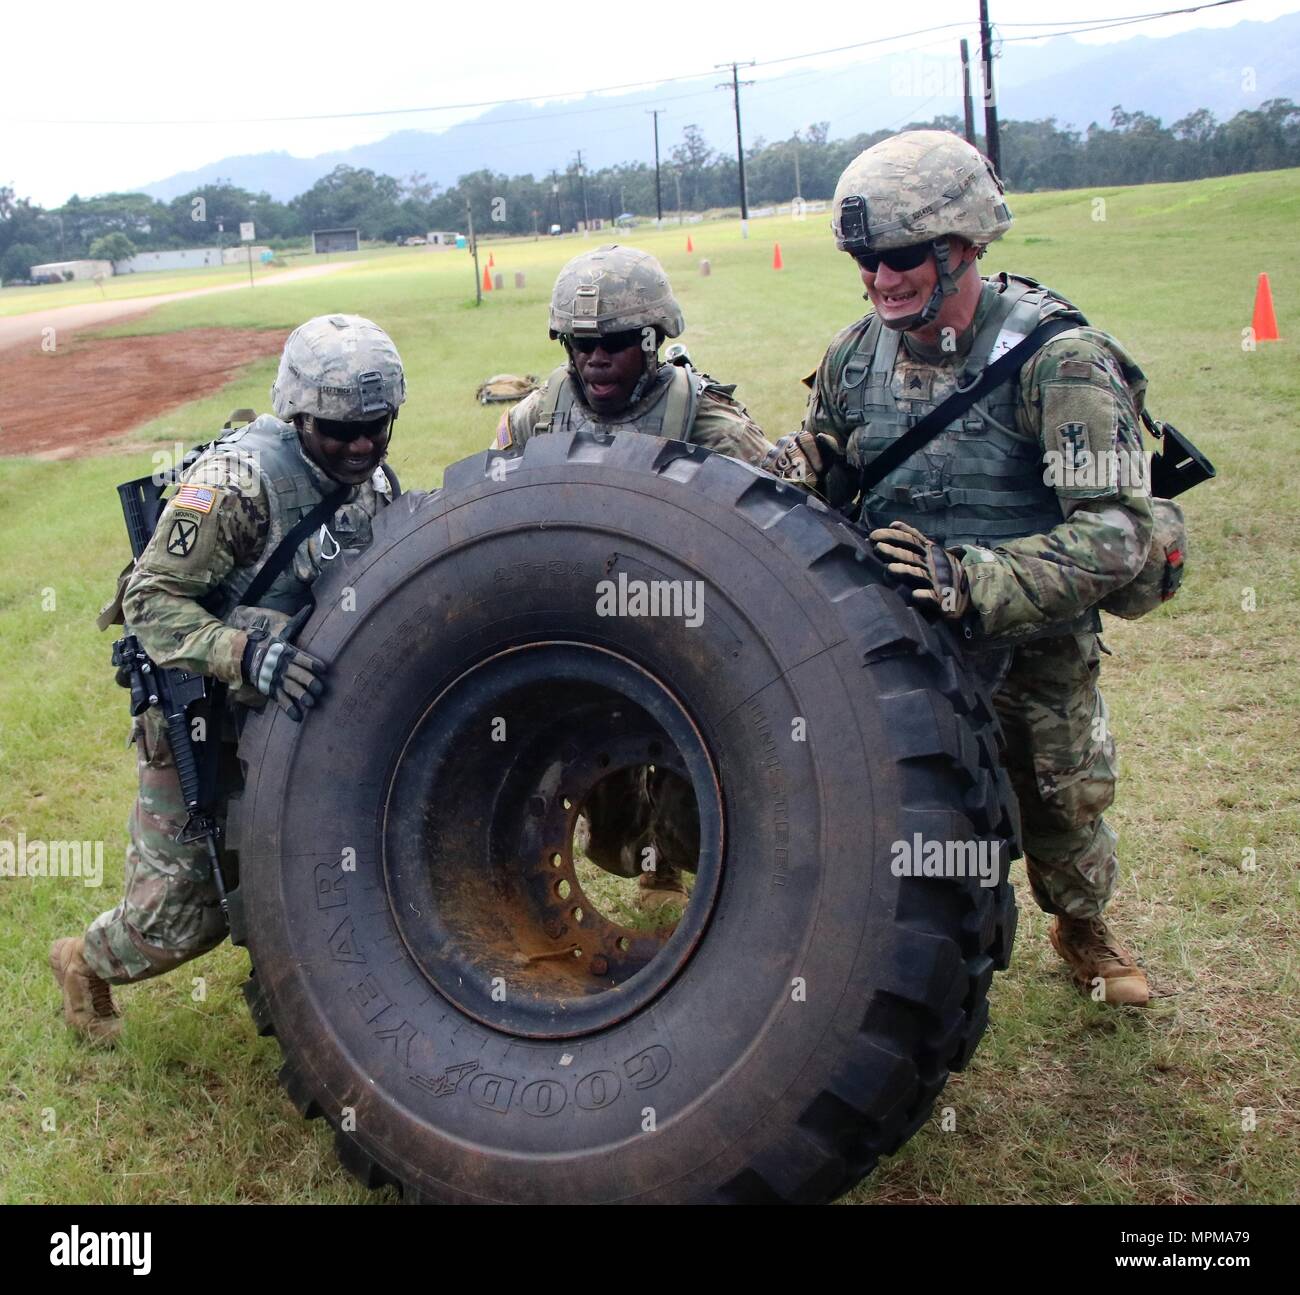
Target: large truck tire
(442, 991)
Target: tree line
(1134, 148)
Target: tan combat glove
(801, 457)
(935, 573)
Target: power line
(1140, 17)
(1107, 23)
(1099, 25)
(482, 103)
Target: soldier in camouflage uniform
(612, 310)
(335, 398)
(986, 522)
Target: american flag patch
(199, 498)
(505, 434)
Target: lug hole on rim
(563, 889)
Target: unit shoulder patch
(182, 536)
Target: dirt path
(90, 391)
(20, 330)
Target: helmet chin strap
(649, 370)
(574, 375)
(944, 287)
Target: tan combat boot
(88, 1005)
(1087, 944)
(662, 888)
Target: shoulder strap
(1004, 367)
(555, 388)
(863, 354)
(681, 402)
(288, 546)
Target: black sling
(288, 546)
(1007, 365)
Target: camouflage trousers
(1061, 759)
(641, 822)
(170, 911)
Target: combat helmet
(613, 289)
(915, 187)
(340, 367)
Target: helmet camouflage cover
(917, 186)
(341, 367)
(613, 290)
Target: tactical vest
(978, 481)
(670, 414)
(269, 450)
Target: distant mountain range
(1222, 69)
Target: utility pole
(555, 194)
(659, 202)
(736, 83)
(798, 188)
(582, 180)
(992, 145)
(965, 91)
(473, 247)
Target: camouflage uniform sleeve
(517, 421)
(825, 413)
(189, 555)
(723, 424)
(1082, 404)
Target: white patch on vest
(1006, 339)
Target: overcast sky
(74, 69)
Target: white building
(177, 258)
(73, 269)
(239, 255)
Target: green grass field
(1195, 1100)
(123, 287)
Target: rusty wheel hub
(478, 838)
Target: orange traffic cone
(492, 263)
(777, 262)
(487, 280)
(1264, 324)
(690, 247)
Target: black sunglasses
(897, 258)
(334, 429)
(610, 343)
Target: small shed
(335, 240)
